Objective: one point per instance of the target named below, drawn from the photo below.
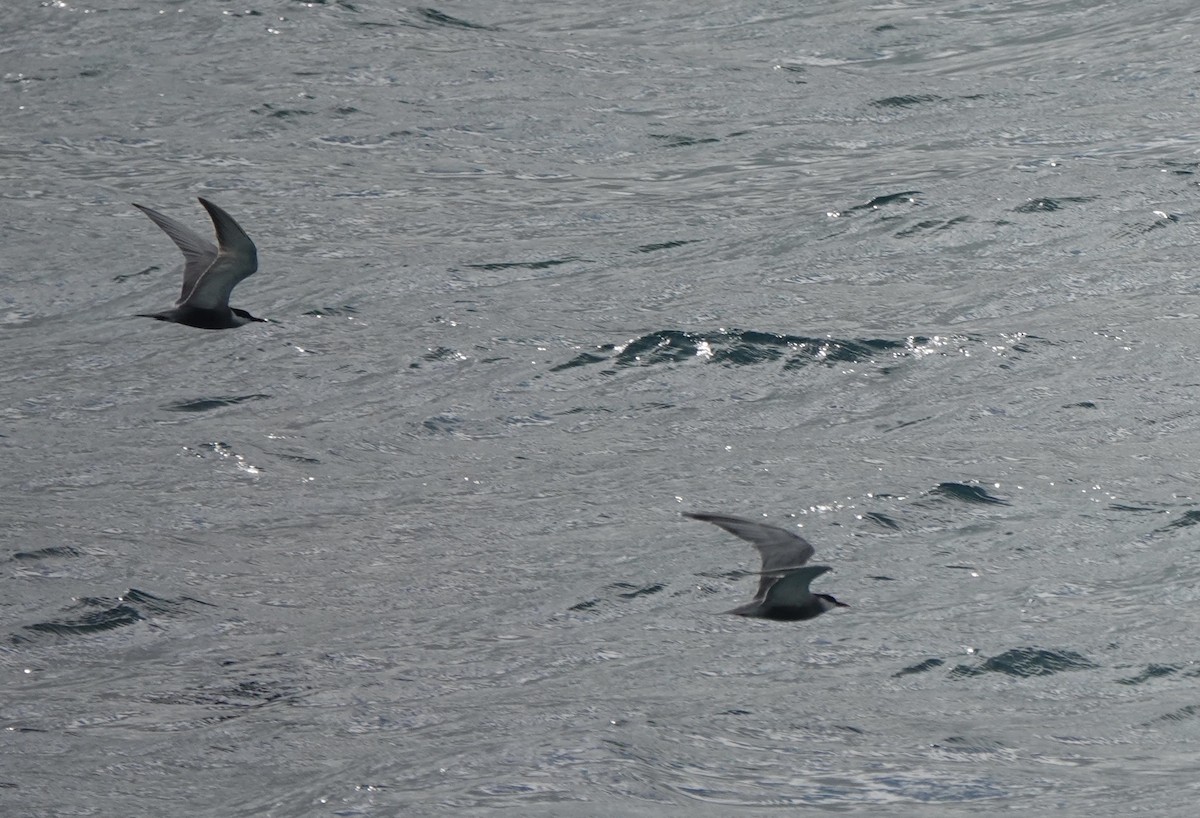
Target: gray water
(915, 279)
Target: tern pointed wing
(780, 550)
(791, 589)
(198, 252)
(236, 259)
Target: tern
(783, 592)
(209, 272)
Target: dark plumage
(783, 592)
(209, 272)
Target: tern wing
(780, 550)
(791, 589)
(236, 259)
(198, 252)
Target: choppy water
(918, 277)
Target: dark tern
(209, 272)
(783, 588)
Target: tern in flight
(783, 592)
(210, 272)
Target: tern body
(783, 592)
(210, 272)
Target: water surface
(916, 278)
